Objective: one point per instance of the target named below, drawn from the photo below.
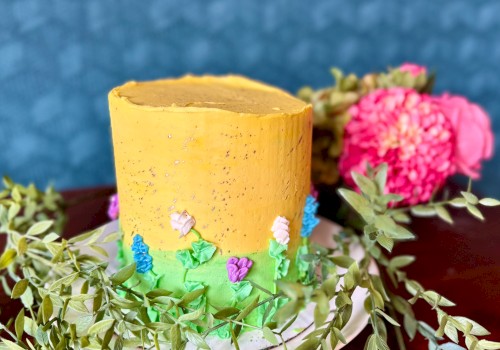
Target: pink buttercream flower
(237, 269)
(412, 68)
(472, 128)
(114, 208)
(406, 130)
(182, 222)
(281, 230)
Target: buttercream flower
(113, 209)
(144, 261)
(237, 269)
(473, 135)
(406, 130)
(414, 69)
(281, 230)
(314, 192)
(182, 222)
(309, 219)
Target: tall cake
(213, 175)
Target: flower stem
(196, 233)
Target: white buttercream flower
(281, 230)
(182, 222)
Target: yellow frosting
(233, 152)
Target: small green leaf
(270, 336)
(158, 293)
(276, 249)
(477, 329)
(386, 242)
(339, 335)
(342, 261)
(458, 202)
(387, 318)
(451, 332)
(7, 258)
(226, 312)
(322, 308)
(191, 296)
(196, 339)
(437, 299)
(381, 343)
(27, 298)
(47, 308)
(489, 202)
(50, 237)
(474, 211)
(203, 250)
(22, 246)
(19, 324)
(101, 326)
(401, 261)
(191, 316)
(175, 337)
(123, 274)
(489, 345)
(39, 228)
(11, 345)
(381, 177)
(66, 280)
(401, 217)
(444, 214)
(19, 289)
(13, 211)
(366, 185)
(93, 235)
(410, 325)
(241, 290)
(248, 309)
(357, 201)
(16, 195)
(423, 211)
(470, 198)
(187, 259)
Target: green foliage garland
(71, 301)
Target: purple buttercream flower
(237, 269)
(113, 208)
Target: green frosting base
(213, 274)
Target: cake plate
(304, 324)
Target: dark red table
(461, 262)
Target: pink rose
(414, 69)
(472, 127)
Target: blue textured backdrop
(58, 59)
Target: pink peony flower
(281, 230)
(182, 222)
(412, 68)
(113, 209)
(406, 130)
(472, 128)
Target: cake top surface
(230, 93)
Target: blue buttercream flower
(143, 260)
(309, 220)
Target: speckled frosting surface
(232, 152)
